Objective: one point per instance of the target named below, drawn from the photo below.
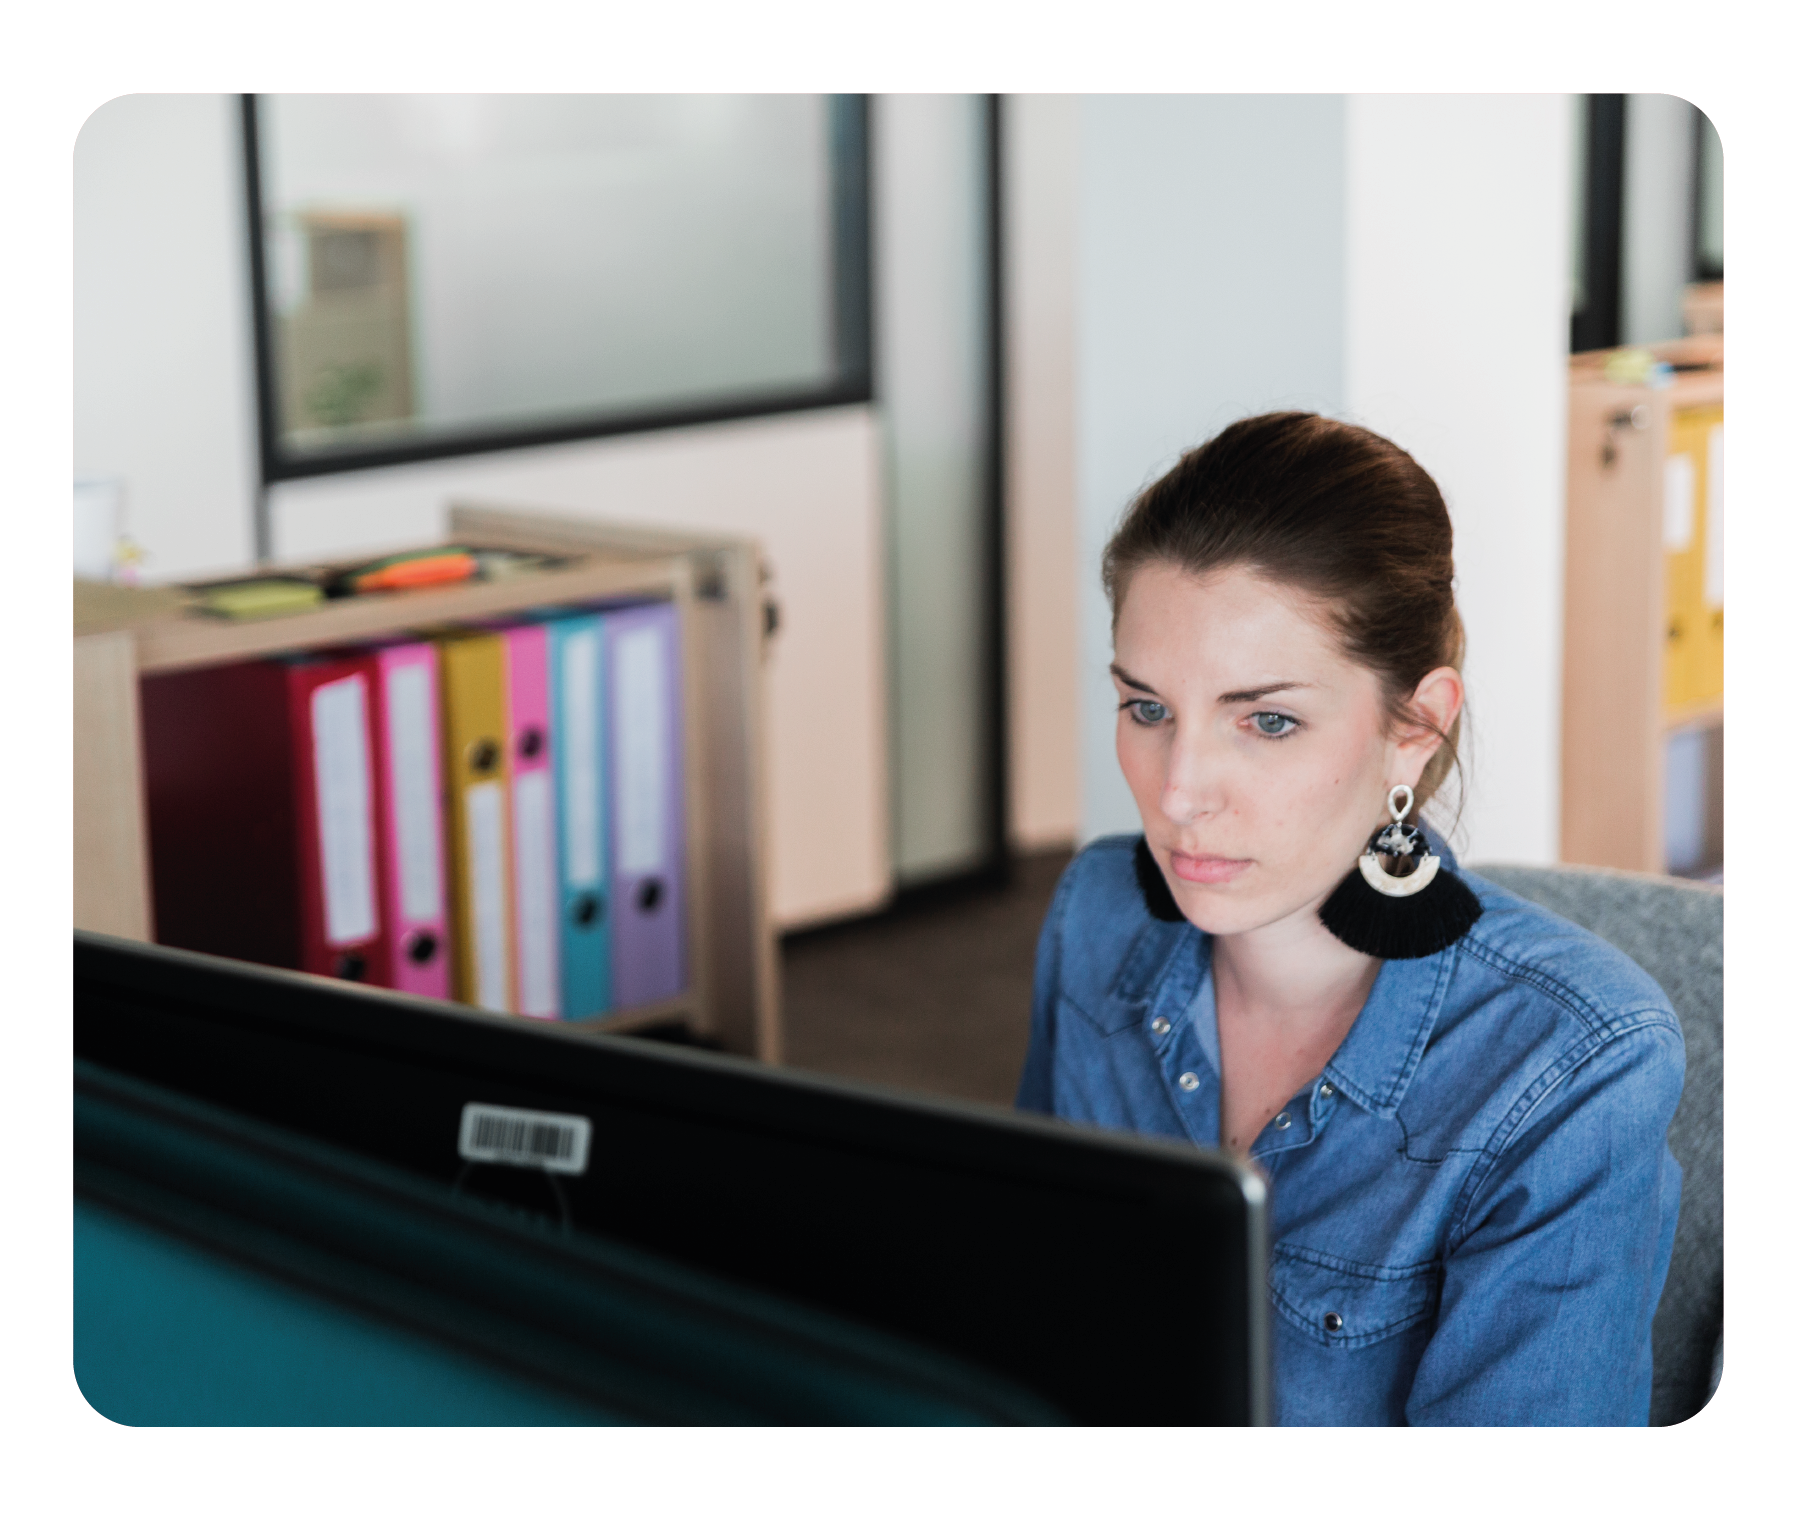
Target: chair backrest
(1673, 929)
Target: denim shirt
(1472, 1206)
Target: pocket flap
(1348, 1304)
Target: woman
(1461, 1100)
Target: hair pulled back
(1327, 508)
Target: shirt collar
(1379, 1056)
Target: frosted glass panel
(450, 265)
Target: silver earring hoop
(1398, 914)
(1399, 842)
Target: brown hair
(1327, 508)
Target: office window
(440, 274)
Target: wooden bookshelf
(123, 636)
(1616, 712)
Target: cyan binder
(578, 710)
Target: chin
(1219, 914)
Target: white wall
(1042, 583)
(164, 387)
(1401, 261)
(1458, 298)
(930, 322)
(1209, 288)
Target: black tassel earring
(1400, 902)
(1153, 884)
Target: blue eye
(1272, 723)
(1146, 712)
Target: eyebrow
(1233, 697)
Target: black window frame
(851, 239)
(1597, 323)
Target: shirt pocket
(1347, 1304)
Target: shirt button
(1160, 1025)
(1325, 1090)
(1282, 1120)
(1188, 1081)
(1332, 1321)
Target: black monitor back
(1053, 1255)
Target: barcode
(524, 1138)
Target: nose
(1193, 789)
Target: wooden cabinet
(1643, 627)
(715, 583)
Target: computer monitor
(1052, 1256)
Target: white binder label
(534, 820)
(1681, 502)
(641, 711)
(486, 891)
(345, 809)
(1712, 526)
(524, 1138)
(579, 738)
(412, 758)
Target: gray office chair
(1673, 929)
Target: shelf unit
(124, 635)
(1617, 716)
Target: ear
(1437, 700)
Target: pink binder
(536, 882)
(414, 898)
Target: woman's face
(1257, 752)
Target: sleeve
(1548, 1296)
(1035, 1091)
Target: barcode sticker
(524, 1138)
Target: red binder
(261, 790)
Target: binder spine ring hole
(483, 756)
(648, 895)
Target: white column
(1458, 291)
(1210, 288)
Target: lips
(1207, 868)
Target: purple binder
(647, 824)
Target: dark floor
(933, 996)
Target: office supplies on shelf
(477, 774)
(254, 599)
(411, 811)
(536, 942)
(128, 640)
(647, 826)
(578, 702)
(427, 568)
(261, 796)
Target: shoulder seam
(1533, 1097)
(1594, 1016)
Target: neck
(1292, 969)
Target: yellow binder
(1693, 521)
(477, 782)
